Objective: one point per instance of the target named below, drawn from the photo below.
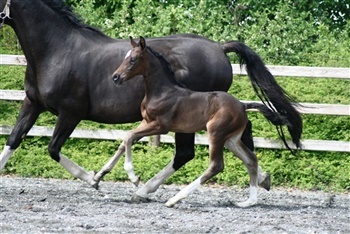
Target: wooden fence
(288, 71)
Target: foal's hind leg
(247, 139)
(251, 162)
(216, 165)
(184, 152)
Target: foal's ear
(142, 43)
(133, 43)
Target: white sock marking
(184, 192)
(75, 170)
(5, 155)
(253, 198)
(154, 183)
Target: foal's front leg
(144, 129)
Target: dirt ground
(65, 206)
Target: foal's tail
(274, 117)
(267, 89)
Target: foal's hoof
(136, 182)
(246, 204)
(138, 199)
(94, 183)
(266, 182)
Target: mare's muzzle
(117, 79)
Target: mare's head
(133, 64)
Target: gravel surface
(30, 205)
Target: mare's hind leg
(64, 127)
(251, 162)
(184, 152)
(28, 114)
(216, 165)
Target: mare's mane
(66, 11)
(167, 67)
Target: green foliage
(283, 33)
(286, 33)
(283, 38)
(8, 41)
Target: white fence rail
(306, 108)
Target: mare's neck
(41, 30)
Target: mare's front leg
(65, 125)
(184, 152)
(28, 114)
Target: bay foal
(169, 107)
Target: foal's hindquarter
(168, 107)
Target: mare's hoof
(266, 182)
(138, 199)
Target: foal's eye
(132, 60)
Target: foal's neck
(159, 75)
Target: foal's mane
(66, 11)
(167, 67)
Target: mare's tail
(274, 117)
(267, 89)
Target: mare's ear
(142, 43)
(133, 43)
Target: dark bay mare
(169, 107)
(69, 65)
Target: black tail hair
(267, 89)
(274, 117)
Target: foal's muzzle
(117, 79)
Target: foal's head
(133, 64)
